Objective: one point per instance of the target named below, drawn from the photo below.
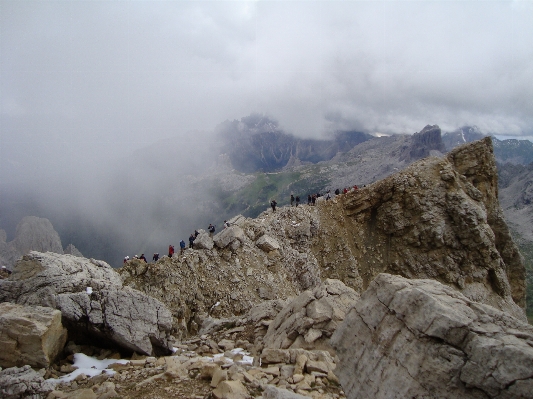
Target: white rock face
(30, 335)
(419, 338)
(112, 313)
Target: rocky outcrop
(23, 382)
(419, 338)
(32, 233)
(30, 335)
(94, 304)
(429, 139)
(309, 320)
(439, 219)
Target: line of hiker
(211, 230)
(312, 198)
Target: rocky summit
(408, 287)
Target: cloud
(84, 84)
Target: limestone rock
(267, 243)
(31, 335)
(272, 392)
(23, 382)
(419, 338)
(310, 319)
(203, 241)
(231, 390)
(110, 313)
(228, 235)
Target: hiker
(355, 188)
(155, 258)
(196, 233)
(211, 230)
(297, 201)
(126, 258)
(292, 199)
(327, 195)
(170, 251)
(191, 240)
(337, 192)
(308, 199)
(273, 204)
(182, 246)
(345, 190)
(313, 199)
(226, 224)
(143, 258)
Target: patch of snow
(89, 366)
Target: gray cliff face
(422, 143)
(32, 233)
(37, 234)
(419, 338)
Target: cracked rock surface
(110, 314)
(419, 338)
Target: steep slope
(516, 198)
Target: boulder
(23, 382)
(230, 390)
(420, 338)
(127, 317)
(228, 235)
(267, 243)
(309, 320)
(203, 241)
(95, 307)
(31, 335)
(272, 392)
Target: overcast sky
(82, 81)
(108, 76)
